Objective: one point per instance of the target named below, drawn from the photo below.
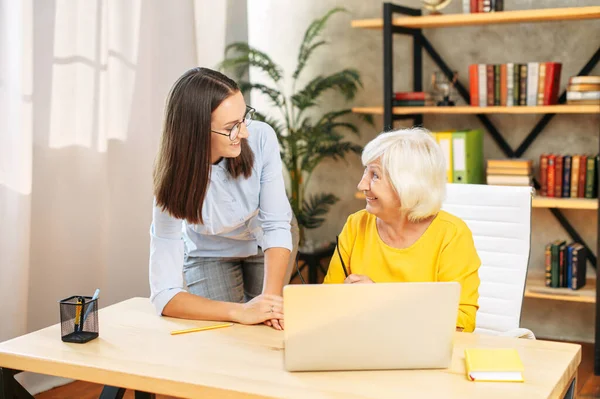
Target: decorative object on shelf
(435, 5)
(443, 88)
(305, 138)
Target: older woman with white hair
(403, 235)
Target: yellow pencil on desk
(189, 330)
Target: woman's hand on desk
(358, 279)
(260, 309)
(275, 323)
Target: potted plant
(305, 140)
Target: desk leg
(144, 395)
(570, 394)
(10, 388)
(109, 392)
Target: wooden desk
(136, 351)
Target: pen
(90, 305)
(78, 307)
(337, 246)
(189, 330)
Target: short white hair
(415, 165)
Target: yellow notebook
(494, 365)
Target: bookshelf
(409, 21)
(505, 17)
(548, 109)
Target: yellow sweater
(445, 252)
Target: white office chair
(500, 219)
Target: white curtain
(82, 91)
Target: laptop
(369, 326)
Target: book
(590, 178)
(551, 175)
(473, 85)
(548, 265)
(577, 80)
(533, 69)
(566, 184)
(413, 103)
(482, 84)
(558, 176)
(583, 95)
(494, 365)
(562, 265)
(583, 102)
(552, 83)
(490, 81)
(544, 175)
(411, 95)
(583, 87)
(503, 85)
(582, 173)
(541, 83)
(523, 84)
(508, 171)
(508, 180)
(574, 175)
(577, 274)
(555, 279)
(516, 83)
(517, 163)
(510, 88)
(497, 84)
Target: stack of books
(412, 99)
(584, 90)
(509, 172)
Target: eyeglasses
(337, 246)
(235, 130)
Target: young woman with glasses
(221, 218)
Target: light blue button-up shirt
(239, 215)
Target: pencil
(189, 330)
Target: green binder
(467, 157)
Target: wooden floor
(588, 385)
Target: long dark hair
(182, 167)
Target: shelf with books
(504, 17)
(547, 109)
(564, 203)
(545, 202)
(536, 288)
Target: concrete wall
(277, 27)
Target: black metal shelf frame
(420, 43)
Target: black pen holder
(78, 319)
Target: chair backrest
(500, 220)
